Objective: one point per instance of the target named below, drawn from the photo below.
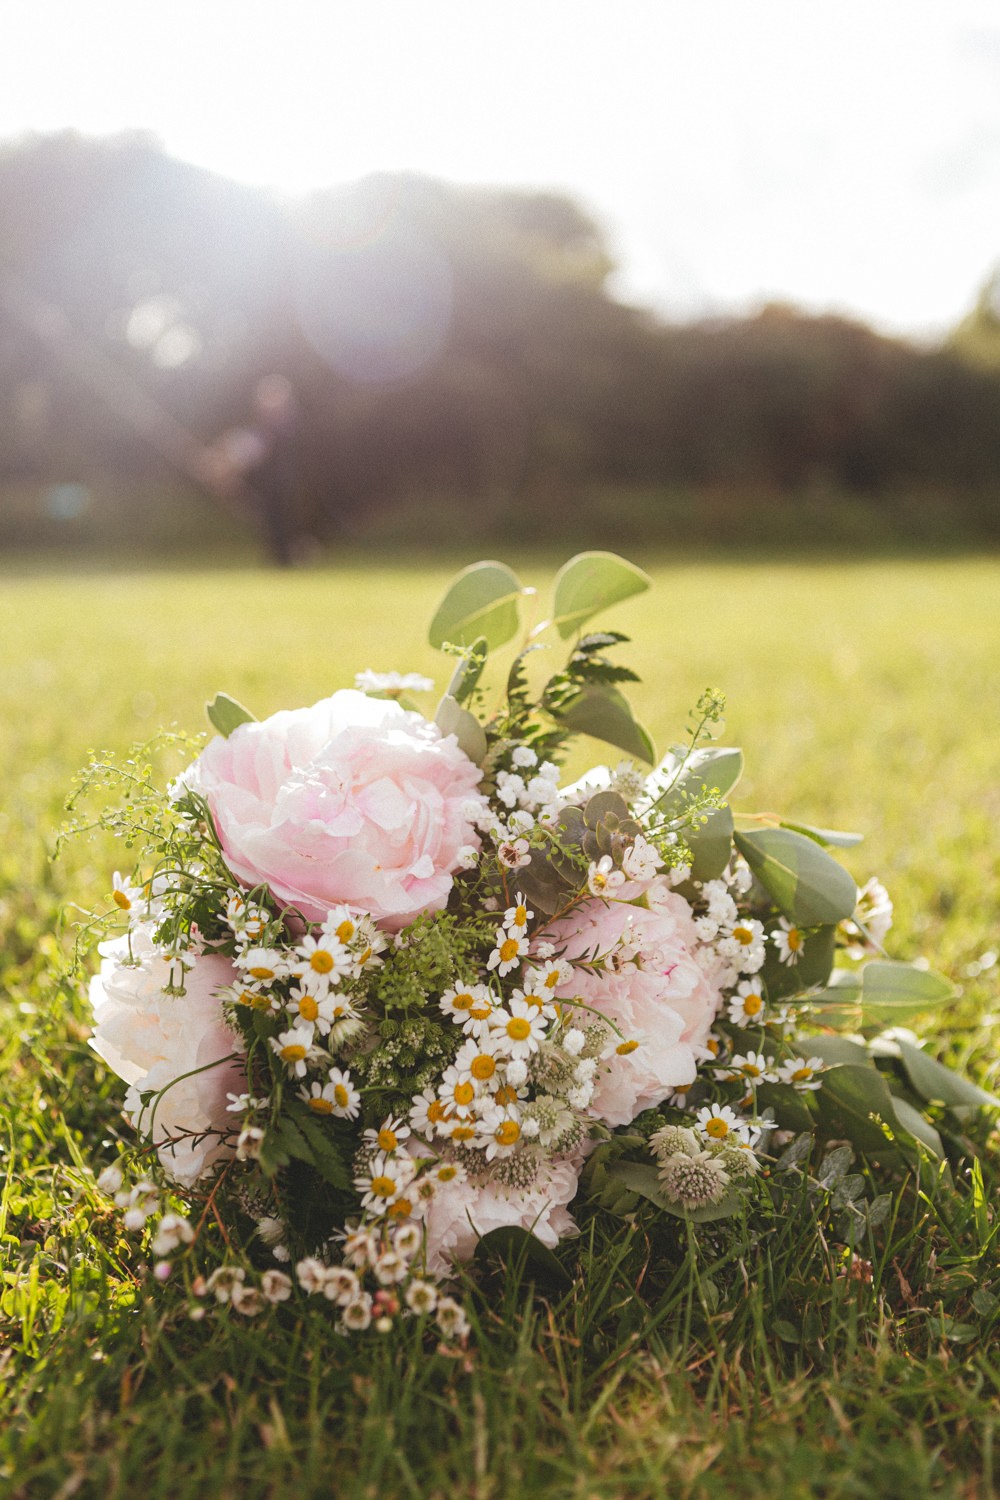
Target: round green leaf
(809, 886)
(451, 718)
(482, 600)
(225, 714)
(602, 712)
(590, 582)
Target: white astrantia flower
(392, 684)
(693, 1181)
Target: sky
(844, 157)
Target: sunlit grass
(865, 697)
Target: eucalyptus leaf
(884, 990)
(835, 1049)
(466, 675)
(715, 767)
(853, 1101)
(225, 714)
(825, 836)
(451, 718)
(933, 1081)
(809, 886)
(912, 1120)
(645, 1181)
(602, 712)
(813, 968)
(541, 882)
(511, 1243)
(711, 844)
(480, 602)
(590, 582)
(790, 1108)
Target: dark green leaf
(481, 602)
(590, 582)
(711, 844)
(912, 1120)
(512, 1244)
(934, 1082)
(852, 1102)
(809, 886)
(225, 714)
(603, 713)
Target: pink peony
(661, 998)
(461, 1213)
(152, 1039)
(353, 800)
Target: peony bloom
(660, 998)
(152, 1039)
(461, 1213)
(353, 800)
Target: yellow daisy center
(624, 1048)
(383, 1187)
(507, 1132)
(483, 1067)
(463, 1133)
(536, 1000)
(802, 1074)
(509, 949)
(120, 899)
(320, 1106)
(717, 1129)
(463, 1093)
(446, 1173)
(795, 939)
(308, 1008)
(712, 1046)
(345, 931)
(750, 1070)
(463, 1001)
(401, 1209)
(388, 1140)
(258, 1002)
(293, 1053)
(321, 961)
(506, 1094)
(520, 916)
(481, 1012)
(752, 1005)
(743, 935)
(436, 1111)
(518, 1028)
(341, 1095)
(551, 980)
(261, 972)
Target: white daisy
(510, 949)
(747, 1007)
(717, 1122)
(801, 1073)
(520, 1028)
(789, 941)
(517, 917)
(294, 1047)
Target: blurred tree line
(454, 366)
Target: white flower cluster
(390, 1265)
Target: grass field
(865, 696)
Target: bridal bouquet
(385, 987)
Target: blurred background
(285, 281)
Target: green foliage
(225, 714)
(695, 1363)
(809, 886)
(480, 604)
(590, 583)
